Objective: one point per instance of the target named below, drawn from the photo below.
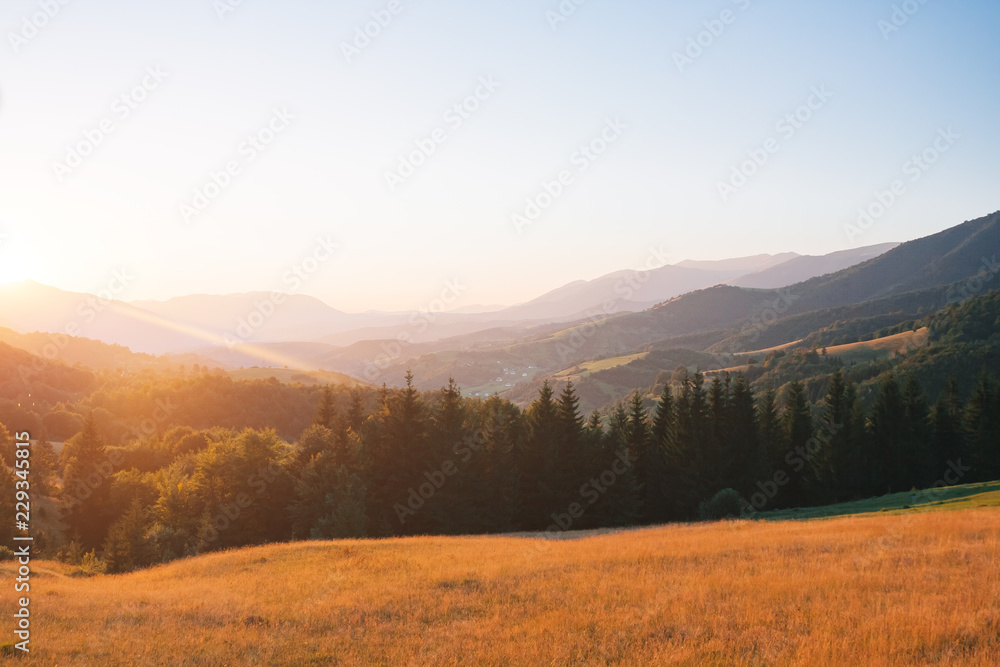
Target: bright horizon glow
(324, 173)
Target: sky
(489, 150)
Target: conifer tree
(663, 418)
(537, 458)
(981, 424)
(772, 437)
(917, 462)
(327, 413)
(126, 547)
(86, 485)
(574, 461)
(946, 429)
(744, 433)
(888, 426)
(649, 461)
(834, 467)
(798, 433)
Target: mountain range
(201, 322)
(707, 314)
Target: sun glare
(14, 266)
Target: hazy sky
(159, 96)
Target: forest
(378, 462)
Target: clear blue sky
(657, 185)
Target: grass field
(588, 367)
(774, 348)
(886, 347)
(862, 590)
(881, 348)
(965, 496)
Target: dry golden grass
(875, 590)
(900, 343)
(774, 348)
(885, 347)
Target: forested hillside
(398, 462)
(162, 465)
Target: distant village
(508, 378)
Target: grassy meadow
(881, 348)
(862, 590)
(948, 498)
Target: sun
(15, 266)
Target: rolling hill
(904, 283)
(934, 263)
(804, 267)
(912, 589)
(96, 354)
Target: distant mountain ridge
(750, 264)
(917, 276)
(195, 322)
(804, 267)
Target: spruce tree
(649, 461)
(574, 459)
(537, 458)
(744, 433)
(86, 484)
(888, 428)
(126, 547)
(917, 458)
(772, 438)
(451, 510)
(663, 418)
(620, 492)
(834, 468)
(398, 461)
(798, 435)
(946, 430)
(981, 424)
(327, 413)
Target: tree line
(387, 462)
